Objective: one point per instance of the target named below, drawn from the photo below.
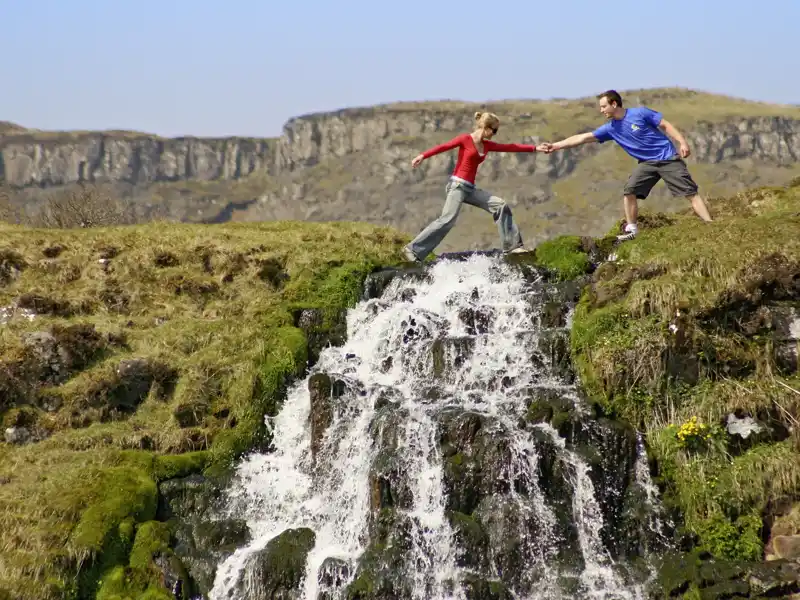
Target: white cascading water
(284, 489)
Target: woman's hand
(417, 160)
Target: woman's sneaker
(631, 230)
(409, 255)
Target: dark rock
(383, 568)
(193, 507)
(322, 391)
(472, 541)
(376, 282)
(786, 357)
(11, 266)
(450, 354)
(477, 320)
(17, 435)
(322, 329)
(191, 414)
(422, 325)
(53, 251)
(272, 271)
(333, 576)
(276, 572)
(554, 345)
(129, 385)
(163, 259)
(477, 455)
(388, 485)
(478, 588)
(43, 305)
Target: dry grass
(212, 304)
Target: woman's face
(489, 132)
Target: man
(642, 133)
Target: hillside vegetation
(130, 355)
(691, 324)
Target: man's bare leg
(631, 208)
(631, 215)
(700, 207)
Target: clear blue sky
(243, 67)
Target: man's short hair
(611, 96)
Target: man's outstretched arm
(570, 142)
(676, 135)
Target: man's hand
(684, 150)
(545, 147)
(417, 160)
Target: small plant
(694, 435)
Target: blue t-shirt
(638, 134)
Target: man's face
(606, 108)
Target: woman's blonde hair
(487, 119)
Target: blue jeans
(458, 193)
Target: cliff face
(354, 164)
(28, 161)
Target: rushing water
(391, 353)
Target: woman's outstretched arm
(454, 143)
(497, 147)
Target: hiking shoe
(630, 233)
(409, 255)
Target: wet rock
(477, 455)
(202, 539)
(450, 354)
(554, 345)
(333, 575)
(422, 325)
(478, 588)
(388, 485)
(276, 572)
(477, 320)
(383, 568)
(322, 329)
(376, 282)
(322, 391)
(472, 541)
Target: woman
(472, 151)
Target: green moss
(140, 578)
(564, 256)
(169, 466)
(128, 494)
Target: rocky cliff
(353, 164)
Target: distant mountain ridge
(354, 163)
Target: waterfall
(427, 443)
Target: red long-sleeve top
(469, 159)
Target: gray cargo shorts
(674, 172)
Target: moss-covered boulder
(277, 571)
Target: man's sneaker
(409, 254)
(630, 233)
(518, 250)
